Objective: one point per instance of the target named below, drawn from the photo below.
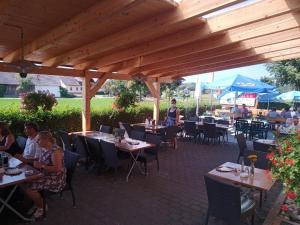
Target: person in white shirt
(32, 150)
(148, 120)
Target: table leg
(133, 164)
(5, 204)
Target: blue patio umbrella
(240, 83)
(291, 96)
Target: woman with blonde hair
(7, 140)
(51, 164)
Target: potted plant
(285, 167)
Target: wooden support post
(154, 88)
(86, 112)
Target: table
(153, 128)
(15, 181)
(264, 144)
(133, 150)
(261, 180)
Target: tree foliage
(286, 72)
(268, 80)
(25, 85)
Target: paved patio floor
(174, 195)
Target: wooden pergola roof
(154, 39)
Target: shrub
(33, 102)
(64, 93)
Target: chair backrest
(139, 128)
(110, 154)
(210, 130)
(258, 146)
(83, 143)
(208, 119)
(119, 132)
(262, 161)
(225, 122)
(171, 132)
(241, 124)
(65, 139)
(94, 149)
(257, 125)
(128, 128)
(70, 160)
(105, 129)
(190, 127)
(224, 201)
(138, 135)
(194, 118)
(241, 140)
(21, 142)
(153, 139)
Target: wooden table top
(123, 146)
(261, 180)
(9, 180)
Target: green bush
(64, 93)
(70, 120)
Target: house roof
(161, 39)
(37, 79)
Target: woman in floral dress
(52, 166)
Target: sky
(255, 71)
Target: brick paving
(174, 195)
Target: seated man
(273, 115)
(32, 150)
(235, 112)
(244, 111)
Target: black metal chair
(128, 128)
(105, 129)
(139, 128)
(138, 135)
(110, 155)
(258, 146)
(194, 118)
(151, 154)
(208, 119)
(224, 122)
(226, 203)
(190, 129)
(83, 143)
(95, 153)
(65, 139)
(242, 126)
(210, 132)
(119, 132)
(169, 134)
(70, 160)
(241, 140)
(257, 129)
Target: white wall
(52, 89)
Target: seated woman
(7, 140)
(52, 166)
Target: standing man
(32, 150)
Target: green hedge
(70, 120)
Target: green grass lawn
(97, 104)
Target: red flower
(284, 207)
(290, 162)
(274, 162)
(270, 155)
(291, 195)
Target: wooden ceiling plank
(272, 8)
(187, 10)
(100, 13)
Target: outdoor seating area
(138, 144)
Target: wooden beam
(101, 12)
(157, 25)
(272, 8)
(154, 88)
(101, 80)
(86, 112)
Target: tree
(25, 85)
(268, 80)
(286, 72)
(169, 88)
